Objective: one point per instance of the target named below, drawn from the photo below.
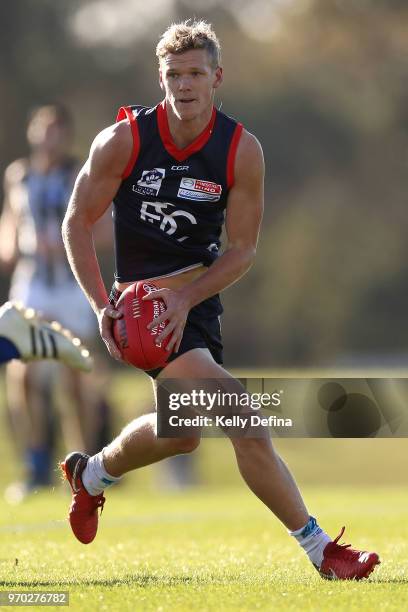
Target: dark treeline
(326, 93)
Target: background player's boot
(36, 338)
(341, 562)
(83, 512)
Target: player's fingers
(158, 293)
(112, 313)
(163, 317)
(176, 349)
(175, 340)
(113, 351)
(111, 345)
(166, 331)
(172, 343)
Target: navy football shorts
(202, 329)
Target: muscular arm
(242, 223)
(243, 219)
(95, 187)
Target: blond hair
(181, 37)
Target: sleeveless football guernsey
(169, 209)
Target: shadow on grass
(147, 580)
(143, 580)
(390, 581)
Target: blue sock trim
(107, 482)
(310, 528)
(8, 350)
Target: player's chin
(188, 110)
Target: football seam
(141, 346)
(140, 337)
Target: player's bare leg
(138, 446)
(269, 478)
(261, 467)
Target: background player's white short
(63, 302)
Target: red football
(136, 342)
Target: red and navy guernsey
(169, 209)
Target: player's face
(189, 82)
(49, 136)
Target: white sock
(94, 477)
(313, 540)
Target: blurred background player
(37, 190)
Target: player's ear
(161, 80)
(218, 77)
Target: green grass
(214, 547)
(203, 550)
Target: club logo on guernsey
(196, 189)
(165, 220)
(150, 182)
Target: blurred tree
(323, 83)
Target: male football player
(172, 172)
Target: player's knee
(185, 445)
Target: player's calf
(182, 446)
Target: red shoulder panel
(232, 154)
(125, 112)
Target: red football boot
(340, 562)
(83, 512)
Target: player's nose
(185, 83)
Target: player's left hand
(176, 313)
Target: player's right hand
(106, 316)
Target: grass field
(203, 550)
(216, 547)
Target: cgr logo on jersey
(150, 182)
(196, 189)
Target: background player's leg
(16, 404)
(74, 411)
(29, 413)
(261, 467)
